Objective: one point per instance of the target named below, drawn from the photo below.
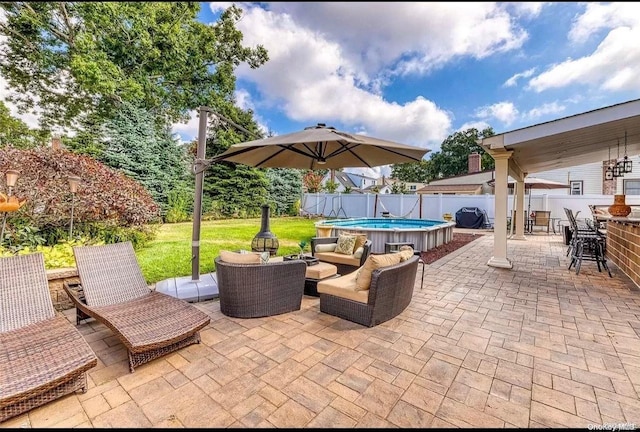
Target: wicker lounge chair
(113, 291)
(259, 290)
(42, 355)
(389, 294)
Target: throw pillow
(405, 252)
(329, 247)
(358, 253)
(264, 257)
(373, 262)
(239, 258)
(345, 244)
(360, 240)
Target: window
(576, 187)
(412, 187)
(632, 187)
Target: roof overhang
(569, 141)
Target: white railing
(434, 206)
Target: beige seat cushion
(334, 257)
(344, 287)
(321, 270)
(238, 258)
(373, 262)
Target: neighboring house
(475, 182)
(357, 183)
(410, 186)
(582, 179)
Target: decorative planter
(619, 207)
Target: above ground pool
(425, 234)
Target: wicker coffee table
(315, 274)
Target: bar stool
(589, 247)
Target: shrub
(104, 194)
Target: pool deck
(535, 346)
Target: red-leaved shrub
(104, 194)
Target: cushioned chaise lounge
(113, 291)
(42, 355)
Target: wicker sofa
(389, 293)
(259, 290)
(345, 263)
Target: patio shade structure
(315, 147)
(320, 147)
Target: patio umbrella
(537, 183)
(315, 147)
(320, 147)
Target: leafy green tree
(412, 172)
(453, 157)
(285, 185)
(82, 60)
(16, 133)
(399, 187)
(331, 186)
(234, 189)
(153, 157)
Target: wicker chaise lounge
(42, 355)
(113, 291)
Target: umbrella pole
(197, 202)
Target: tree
(312, 181)
(16, 133)
(453, 158)
(399, 187)
(82, 60)
(234, 189)
(284, 189)
(153, 157)
(412, 172)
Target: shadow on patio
(534, 346)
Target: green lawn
(169, 255)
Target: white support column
(499, 258)
(520, 212)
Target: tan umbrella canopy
(320, 147)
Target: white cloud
(613, 66)
(615, 63)
(479, 125)
(598, 16)
(506, 112)
(545, 109)
(188, 131)
(511, 82)
(414, 36)
(312, 78)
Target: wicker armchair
(259, 290)
(339, 260)
(390, 293)
(42, 355)
(113, 291)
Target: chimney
(56, 142)
(475, 163)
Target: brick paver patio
(534, 346)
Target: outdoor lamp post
(11, 177)
(73, 187)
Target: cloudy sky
(416, 72)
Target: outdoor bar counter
(623, 245)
